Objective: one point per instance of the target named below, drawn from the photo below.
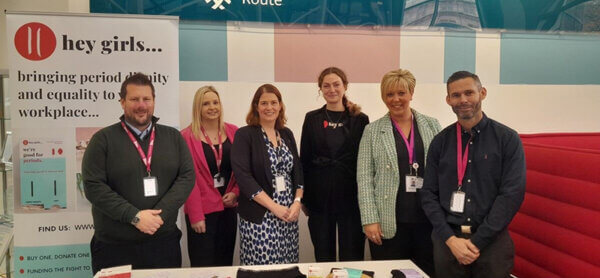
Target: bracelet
(298, 199)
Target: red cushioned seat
(557, 229)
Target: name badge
(150, 187)
(413, 183)
(457, 203)
(218, 180)
(279, 183)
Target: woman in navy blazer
(328, 151)
(269, 174)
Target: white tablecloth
(382, 269)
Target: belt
(464, 229)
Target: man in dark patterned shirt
(474, 185)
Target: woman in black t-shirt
(328, 151)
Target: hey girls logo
(36, 41)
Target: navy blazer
(252, 169)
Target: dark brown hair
(253, 118)
(461, 75)
(139, 79)
(353, 108)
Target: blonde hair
(399, 77)
(197, 110)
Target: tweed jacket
(378, 174)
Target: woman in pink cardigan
(210, 209)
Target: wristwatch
(135, 220)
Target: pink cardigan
(205, 198)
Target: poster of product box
(65, 73)
(43, 174)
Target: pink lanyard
(145, 160)
(218, 154)
(410, 146)
(461, 160)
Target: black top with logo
(336, 130)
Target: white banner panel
(65, 76)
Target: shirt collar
(480, 126)
(140, 133)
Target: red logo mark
(25, 142)
(325, 124)
(35, 41)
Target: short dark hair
(139, 79)
(253, 119)
(461, 75)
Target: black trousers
(411, 242)
(350, 237)
(157, 253)
(215, 246)
(495, 261)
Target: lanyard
(461, 160)
(218, 154)
(145, 160)
(277, 149)
(410, 146)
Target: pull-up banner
(65, 75)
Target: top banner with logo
(572, 16)
(347, 12)
(66, 72)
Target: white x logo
(218, 4)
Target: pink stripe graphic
(365, 54)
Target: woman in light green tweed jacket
(391, 164)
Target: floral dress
(273, 241)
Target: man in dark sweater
(137, 174)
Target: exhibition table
(382, 269)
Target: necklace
(338, 120)
(214, 138)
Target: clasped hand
(463, 250)
(287, 214)
(150, 221)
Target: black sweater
(113, 175)
(252, 169)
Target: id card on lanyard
(279, 179)
(150, 183)
(457, 201)
(412, 180)
(218, 180)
